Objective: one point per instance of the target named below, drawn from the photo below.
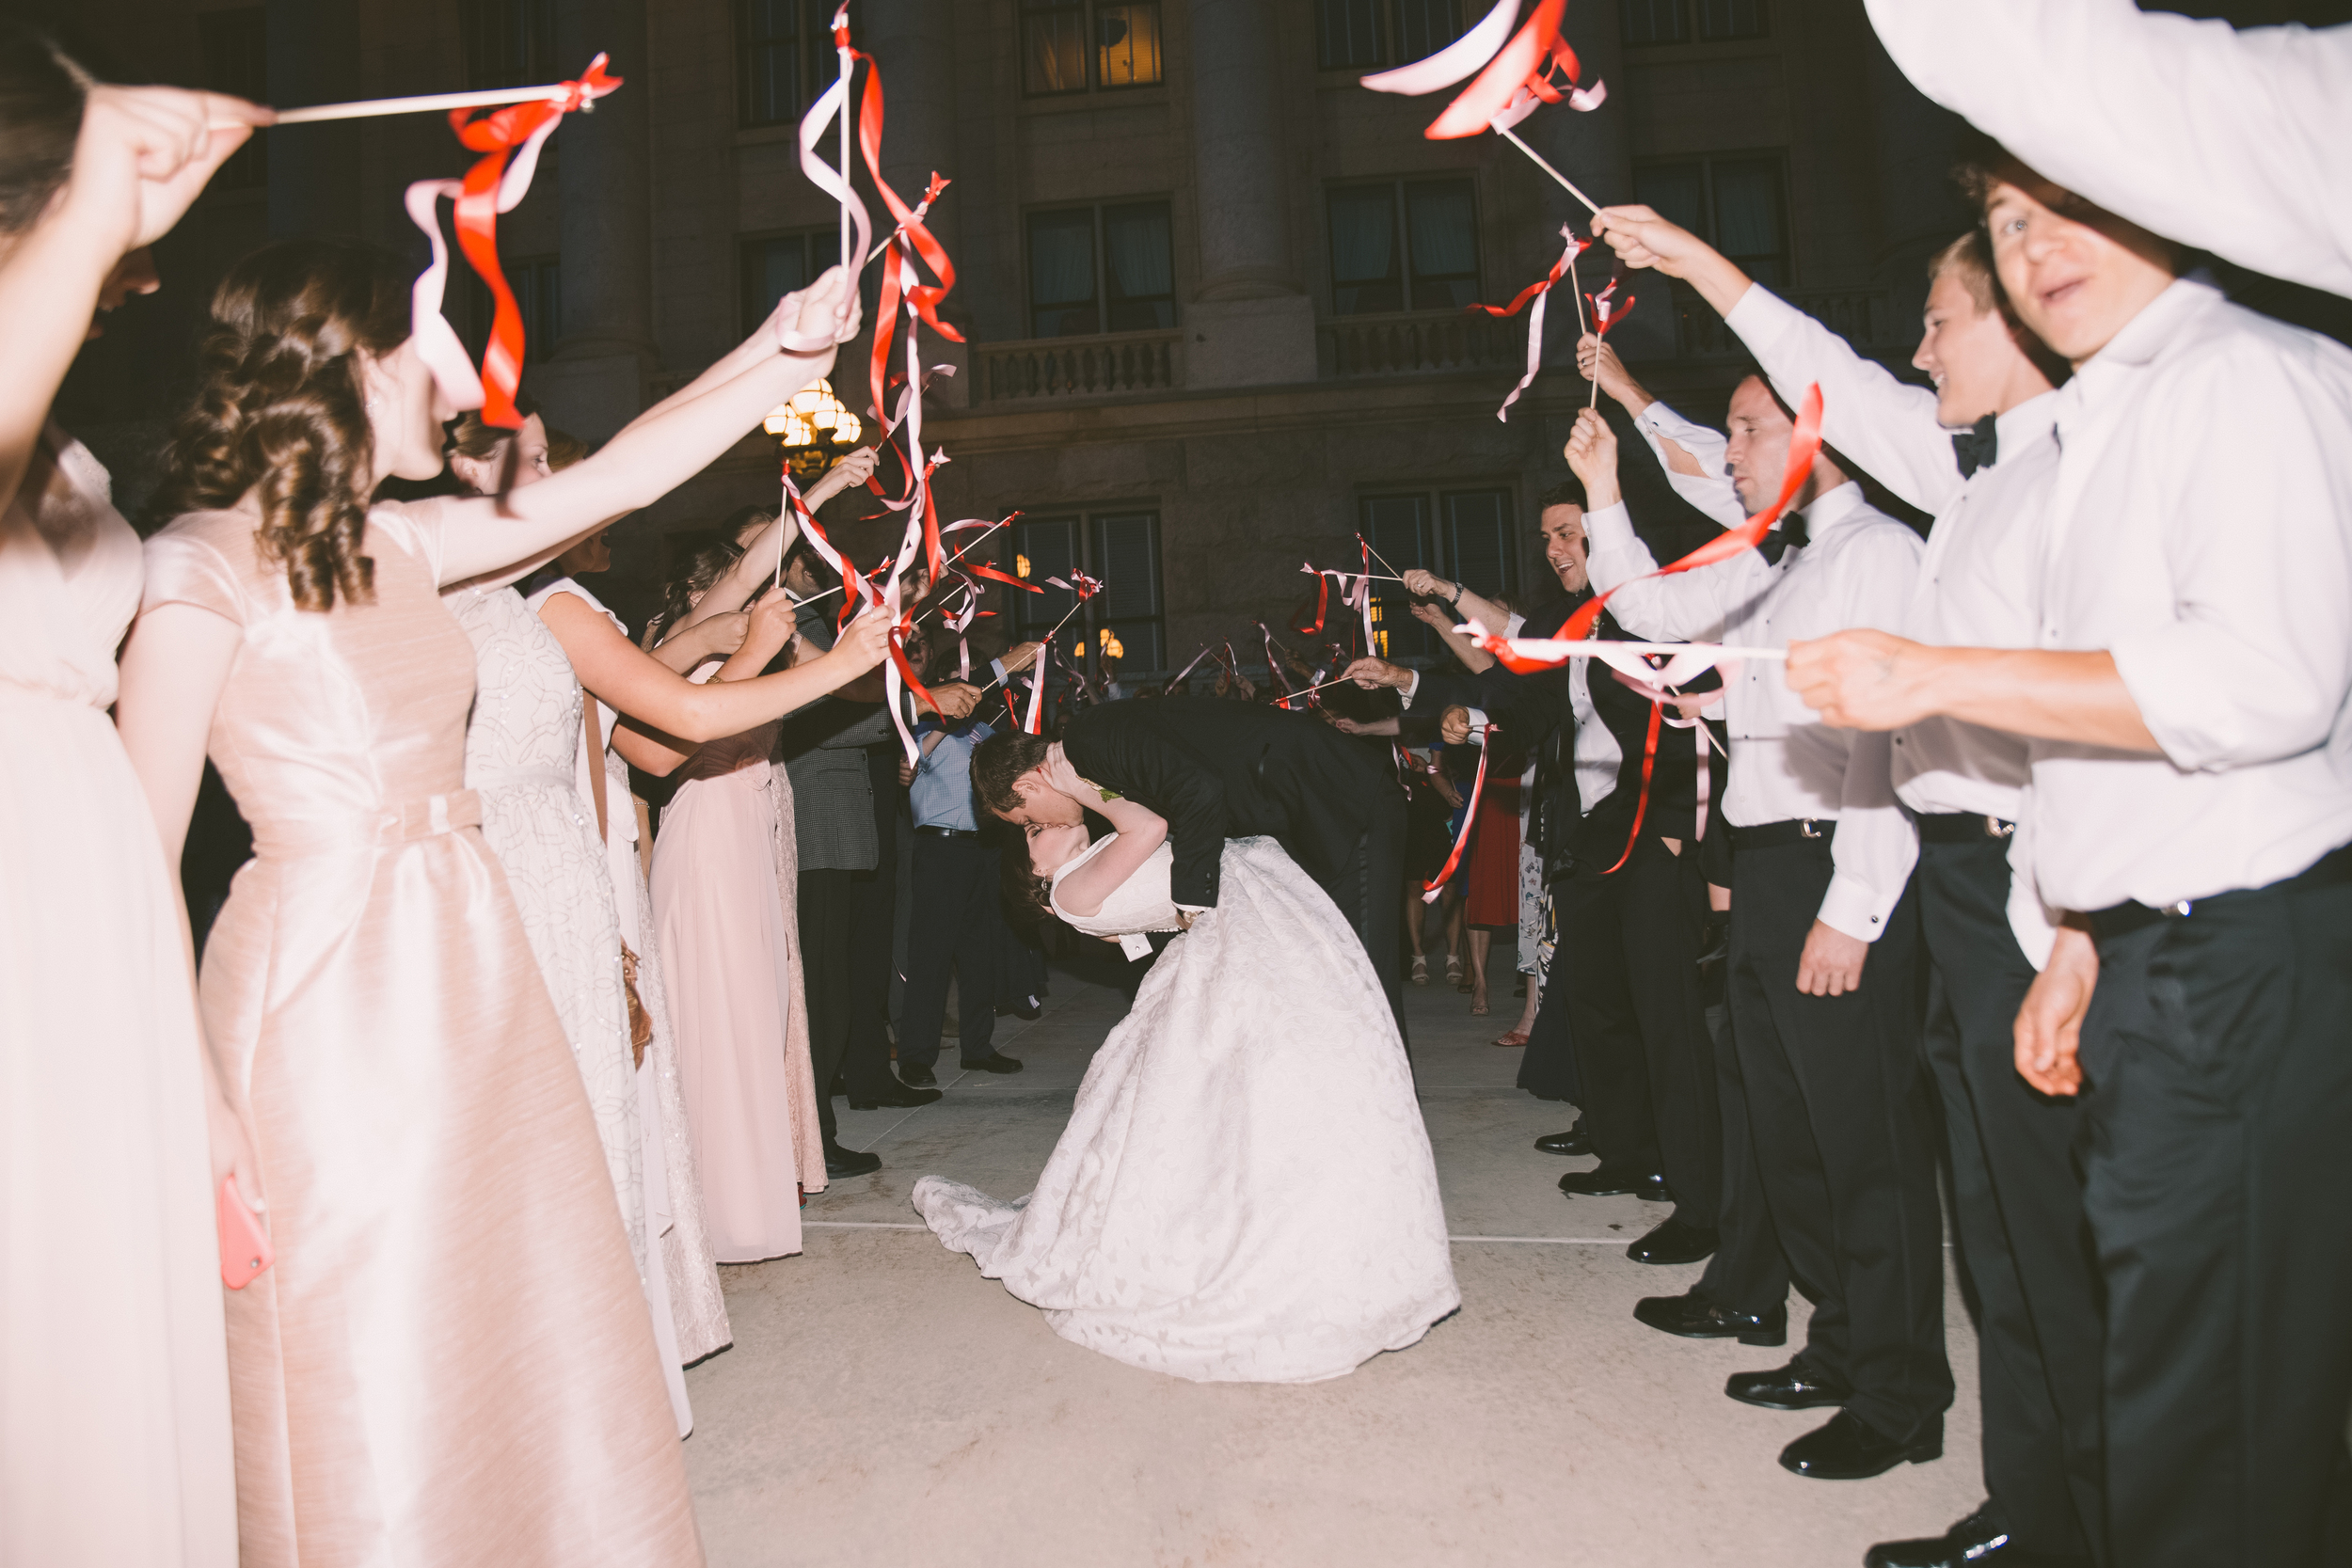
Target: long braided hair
(280, 409)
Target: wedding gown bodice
(1141, 903)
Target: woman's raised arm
(653, 456)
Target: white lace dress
(523, 742)
(1245, 1191)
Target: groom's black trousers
(1364, 873)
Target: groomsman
(2015, 1196)
(2188, 695)
(1823, 942)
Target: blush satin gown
(451, 1362)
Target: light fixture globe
(815, 429)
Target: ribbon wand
(841, 45)
(431, 102)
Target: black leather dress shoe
(1601, 1182)
(1849, 1449)
(920, 1074)
(840, 1161)
(995, 1064)
(1572, 1142)
(1982, 1537)
(1674, 1242)
(1795, 1387)
(898, 1095)
(1691, 1316)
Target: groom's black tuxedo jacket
(1217, 769)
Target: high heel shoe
(1453, 970)
(1420, 968)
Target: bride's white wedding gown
(1245, 1191)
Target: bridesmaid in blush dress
(115, 1441)
(451, 1360)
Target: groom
(1219, 769)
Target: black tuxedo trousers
(2018, 1207)
(1628, 960)
(1843, 1119)
(2217, 1061)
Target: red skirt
(1494, 852)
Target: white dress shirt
(1857, 571)
(1976, 583)
(1712, 493)
(2200, 529)
(2233, 142)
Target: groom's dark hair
(1000, 759)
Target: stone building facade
(1213, 289)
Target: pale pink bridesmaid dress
(730, 950)
(114, 1379)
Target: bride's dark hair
(280, 407)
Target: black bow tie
(1790, 536)
(1978, 446)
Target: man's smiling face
(2073, 273)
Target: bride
(1245, 1191)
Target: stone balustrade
(1420, 341)
(1103, 365)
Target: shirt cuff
(1852, 906)
(1410, 686)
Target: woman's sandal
(1479, 1009)
(1454, 971)
(1420, 968)
(1516, 1038)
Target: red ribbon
(1649, 765)
(1804, 444)
(496, 136)
(1429, 890)
(1520, 63)
(1606, 313)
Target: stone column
(596, 380)
(313, 170)
(1248, 324)
(1594, 150)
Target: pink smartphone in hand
(244, 1249)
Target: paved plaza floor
(884, 1405)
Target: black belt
(1962, 827)
(948, 833)
(2121, 920)
(1797, 829)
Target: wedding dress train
(1245, 1190)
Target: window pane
(509, 44)
(1478, 541)
(1138, 273)
(1748, 221)
(1049, 545)
(1127, 559)
(236, 61)
(1130, 44)
(1731, 19)
(771, 268)
(1654, 21)
(768, 62)
(1397, 527)
(1061, 274)
(1347, 34)
(1677, 191)
(1053, 47)
(1425, 26)
(1364, 271)
(1442, 224)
